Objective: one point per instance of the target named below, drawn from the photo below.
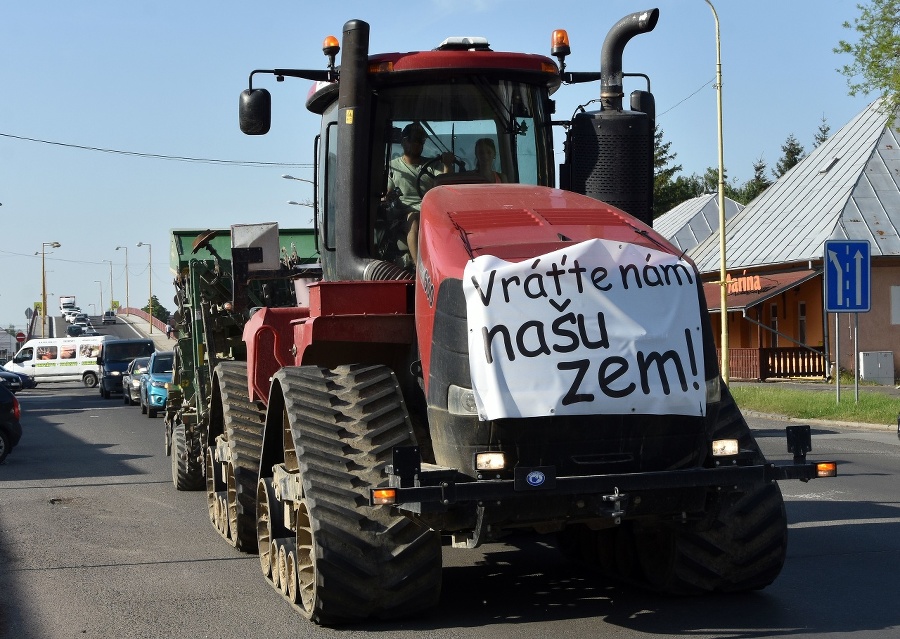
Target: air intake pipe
(611, 90)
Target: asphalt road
(95, 542)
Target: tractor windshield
(472, 131)
(455, 116)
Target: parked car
(109, 317)
(131, 380)
(154, 391)
(28, 381)
(10, 428)
(11, 381)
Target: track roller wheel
(287, 570)
(211, 488)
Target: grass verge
(873, 407)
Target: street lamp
(44, 245)
(101, 292)
(150, 271)
(111, 298)
(127, 305)
(723, 268)
(291, 177)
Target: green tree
(665, 195)
(159, 311)
(756, 185)
(792, 152)
(876, 54)
(822, 133)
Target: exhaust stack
(611, 54)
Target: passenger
(403, 180)
(485, 153)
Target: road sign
(848, 276)
(20, 336)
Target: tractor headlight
(725, 448)
(490, 461)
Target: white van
(60, 359)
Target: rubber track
(741, 545)
(243, 429)
(369, 562)
(186, 474)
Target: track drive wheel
(352, 561)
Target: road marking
(845, 522)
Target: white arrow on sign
(859, 259)
(840, 276)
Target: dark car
(27, 380)
(11, 381)
(131, 380)
(114, 358)
(74, 330)
(10, 428)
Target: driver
(403, 179)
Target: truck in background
(66, 302)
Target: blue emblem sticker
(535, 478)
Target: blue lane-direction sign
(848, 276)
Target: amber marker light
(330, 46)
(559, 43)
(384, 496)
(826, 469)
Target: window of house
(801, 322)
(895, 305)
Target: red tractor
(480, 355)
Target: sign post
(848, 289)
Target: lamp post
(291, 177)
(150, 271)
(101, 293)
(723, 268)
(111, 298)
(44, 246)
(127, 305)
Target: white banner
(599, 327)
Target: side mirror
(255, 111)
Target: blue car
(154, 390)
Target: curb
(821, 422)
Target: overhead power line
(156, 156)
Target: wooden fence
(764, 363)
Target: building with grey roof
(694, 220)
(846, 189)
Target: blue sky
(163, 78)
